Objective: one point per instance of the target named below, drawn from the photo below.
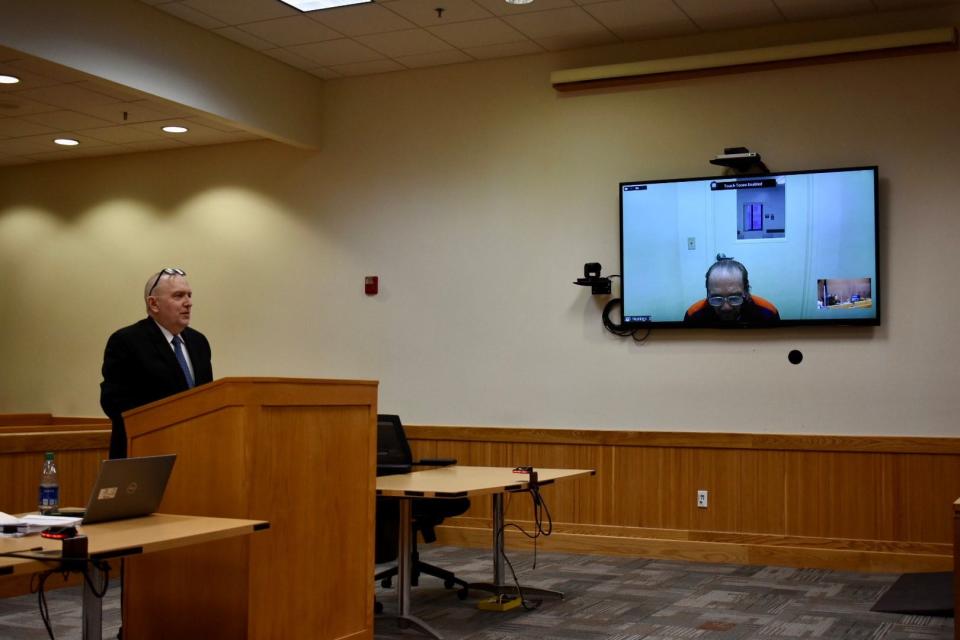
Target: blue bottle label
(49, 496)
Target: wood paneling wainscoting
(840, 502)
(79, 443)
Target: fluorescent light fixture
(175, 129)
(317, 5)
(925, 41)
(67, 142)
(9, 79)
(519, 1)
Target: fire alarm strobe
(371, 285)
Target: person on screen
(155, 357)
(729, 298)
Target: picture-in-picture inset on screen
(845, 294)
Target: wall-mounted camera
(741, 160)
(598, 284)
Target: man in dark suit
(155, 357)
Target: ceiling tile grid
(52, 101)
(392, 35)
(380, 37)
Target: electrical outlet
(702, 498)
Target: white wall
(476, 193)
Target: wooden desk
(459, 482)
(119, 539)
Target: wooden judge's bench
(300, 453)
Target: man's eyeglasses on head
(169, 271)
(734, 300)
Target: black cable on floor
(66, 570)
(539, 507)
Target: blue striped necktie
(178, 351)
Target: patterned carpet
(607, 598)
(614, 598)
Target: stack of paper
(33, 523)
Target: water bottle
(49, 486)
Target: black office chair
(394, 456)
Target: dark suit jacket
(139, 368)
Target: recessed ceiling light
(67, 142)
(317, 5)
(9, 79)
(175, 129)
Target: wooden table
(458, 482)
(120, 539)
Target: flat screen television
(794, 248)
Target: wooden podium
(299, 453)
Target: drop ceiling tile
(284, 32)
(154, 145)
(84, 140)
(289, 57)
(67, 96)
(404, 43)
(128, 112)
(13, 104)
(219, 125)
(324, 73)
(242, 37)
(17, 127)
(523, 48)
(66, 120)
(576, 40)
(730, 14)
(62, 153)
(634, 20)
(112, 150)
(49, 69)
(167, 108)
(336, 52)
(242, 136)
(368, 68)
(361, 20)
(120, 134)
(28, 79)
(196, 130)
(813, 9)
(237, 12)
(502, 8)
(477, 33)
(555, 22)
(115, 91)
(434, 59)
(424, 12)
(185, 12)
(201, 136)
(44, 144)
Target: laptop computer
(128, 488)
